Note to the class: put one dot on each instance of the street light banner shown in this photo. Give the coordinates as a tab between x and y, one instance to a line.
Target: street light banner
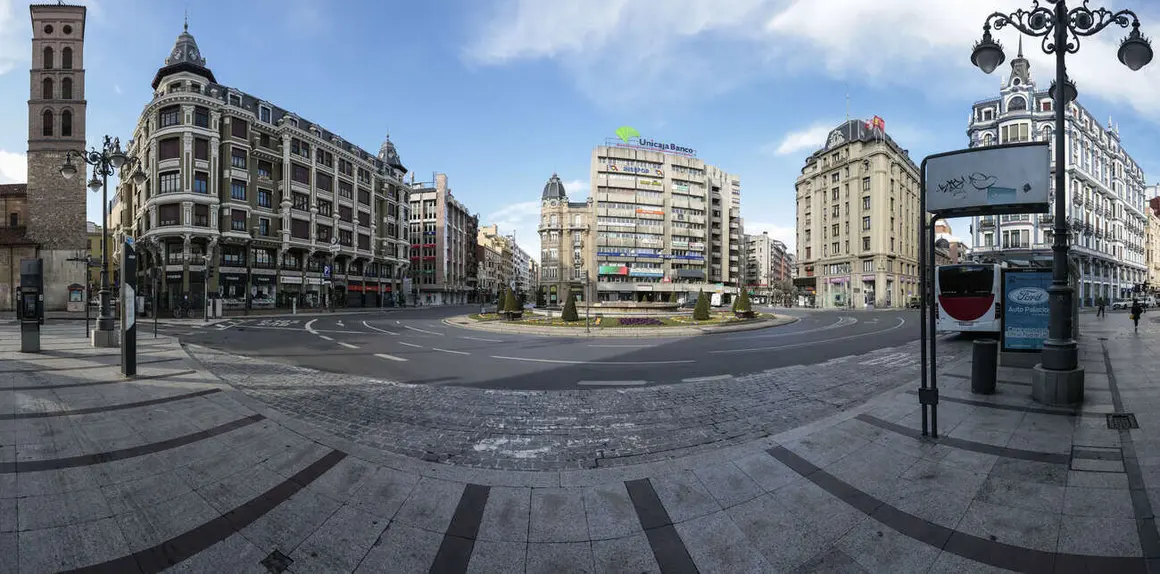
1025	309
1012	178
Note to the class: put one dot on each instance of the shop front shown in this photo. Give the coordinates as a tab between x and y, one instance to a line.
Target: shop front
262	292
839	293
355	294
313	292
232	289
868	292
173	289
290	291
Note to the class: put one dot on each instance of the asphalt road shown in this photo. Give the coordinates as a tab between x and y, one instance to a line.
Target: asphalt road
413	345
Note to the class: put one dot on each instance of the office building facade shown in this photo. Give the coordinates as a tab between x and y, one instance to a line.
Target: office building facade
1105	192
767	265
444	235
857	221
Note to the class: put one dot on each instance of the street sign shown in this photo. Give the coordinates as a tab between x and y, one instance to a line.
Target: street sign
326	271
1013	178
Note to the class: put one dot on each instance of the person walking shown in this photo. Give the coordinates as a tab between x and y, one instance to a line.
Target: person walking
1137	310
1101	303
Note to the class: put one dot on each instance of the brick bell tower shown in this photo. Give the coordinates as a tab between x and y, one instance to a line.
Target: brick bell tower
56	124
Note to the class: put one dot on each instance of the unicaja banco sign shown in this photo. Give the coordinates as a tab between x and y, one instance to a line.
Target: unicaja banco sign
631	138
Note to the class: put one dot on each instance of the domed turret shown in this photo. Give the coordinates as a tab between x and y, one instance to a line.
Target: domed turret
390	156
185	57
554	189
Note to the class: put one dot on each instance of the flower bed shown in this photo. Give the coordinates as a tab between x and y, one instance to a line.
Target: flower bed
640	322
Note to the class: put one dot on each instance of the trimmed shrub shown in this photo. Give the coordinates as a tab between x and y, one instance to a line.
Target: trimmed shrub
570	315
512	306
743	307
701	311
541	300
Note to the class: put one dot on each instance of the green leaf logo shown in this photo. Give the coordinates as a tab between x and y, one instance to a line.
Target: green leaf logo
625	132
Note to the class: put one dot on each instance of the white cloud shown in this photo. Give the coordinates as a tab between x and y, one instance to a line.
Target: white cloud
807	139
13	42
521	219
785	233
13	167
576	189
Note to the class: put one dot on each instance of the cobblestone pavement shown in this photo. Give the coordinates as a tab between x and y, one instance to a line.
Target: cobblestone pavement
568	430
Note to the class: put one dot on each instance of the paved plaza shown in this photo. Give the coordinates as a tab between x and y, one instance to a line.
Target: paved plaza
208	461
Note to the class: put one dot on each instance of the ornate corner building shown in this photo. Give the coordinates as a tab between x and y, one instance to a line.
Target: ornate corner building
444	269
45	218
251	203
857	208
1105	195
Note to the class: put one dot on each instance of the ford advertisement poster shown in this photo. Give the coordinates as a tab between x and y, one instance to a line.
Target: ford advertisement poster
1025	309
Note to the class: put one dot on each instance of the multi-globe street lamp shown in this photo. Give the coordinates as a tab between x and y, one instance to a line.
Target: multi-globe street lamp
1061	30
105	161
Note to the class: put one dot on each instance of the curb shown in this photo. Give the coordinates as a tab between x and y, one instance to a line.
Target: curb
658	333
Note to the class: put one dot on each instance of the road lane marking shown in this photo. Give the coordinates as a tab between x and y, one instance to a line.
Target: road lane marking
348	345
564	362
368	326
315	331
901	322
449	351
621	346
483	339
422	330
340	324
842	322
611	383
325	337
410	344
389	357
309	328
709	378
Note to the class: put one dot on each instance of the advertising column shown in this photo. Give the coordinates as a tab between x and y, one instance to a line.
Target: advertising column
1025	312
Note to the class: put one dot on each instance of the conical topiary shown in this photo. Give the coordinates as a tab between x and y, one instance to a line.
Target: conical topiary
743	304
701	311
570	313
512	305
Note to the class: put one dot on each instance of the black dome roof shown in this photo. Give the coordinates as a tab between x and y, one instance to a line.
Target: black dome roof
554	189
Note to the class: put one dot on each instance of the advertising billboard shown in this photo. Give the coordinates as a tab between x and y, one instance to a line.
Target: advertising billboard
1012	178
1025	309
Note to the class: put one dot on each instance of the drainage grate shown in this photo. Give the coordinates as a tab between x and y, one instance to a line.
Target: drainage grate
1122	421
276	562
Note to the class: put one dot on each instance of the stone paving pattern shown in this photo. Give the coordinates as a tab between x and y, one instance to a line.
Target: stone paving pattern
183	471
560	430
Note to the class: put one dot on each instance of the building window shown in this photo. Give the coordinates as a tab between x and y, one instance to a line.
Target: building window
322	233
46	120
865	184
66	58
169	148
866	223
200	149
237	220
325	208
868	266
300	174
13	220
300	201
46	89
265	198
345	213
200	182
835	193
169	182
264	227
345	189
264	114
169	214
323	182
201	117
264	169
238	158
866	202
865	244
345	237
364	196
66	123
834	177
170	116
364	218
239	128
235	100
238	190
48	57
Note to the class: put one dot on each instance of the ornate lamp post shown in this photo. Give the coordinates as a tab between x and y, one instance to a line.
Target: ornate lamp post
105	161
1061	30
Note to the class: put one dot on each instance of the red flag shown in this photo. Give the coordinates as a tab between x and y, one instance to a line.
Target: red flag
879	123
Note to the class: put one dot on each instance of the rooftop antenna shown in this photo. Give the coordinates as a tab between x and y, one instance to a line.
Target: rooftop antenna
186	20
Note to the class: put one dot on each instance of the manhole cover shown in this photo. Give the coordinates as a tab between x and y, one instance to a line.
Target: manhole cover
276	562
1122	421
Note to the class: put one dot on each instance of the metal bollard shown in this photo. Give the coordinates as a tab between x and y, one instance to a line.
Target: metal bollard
984	366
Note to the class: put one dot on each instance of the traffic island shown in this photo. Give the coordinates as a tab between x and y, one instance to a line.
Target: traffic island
636	326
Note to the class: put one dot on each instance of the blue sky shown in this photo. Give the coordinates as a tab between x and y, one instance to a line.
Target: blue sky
498	94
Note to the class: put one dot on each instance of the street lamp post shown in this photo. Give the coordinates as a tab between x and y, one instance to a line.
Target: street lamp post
1061	30
105	161
334	248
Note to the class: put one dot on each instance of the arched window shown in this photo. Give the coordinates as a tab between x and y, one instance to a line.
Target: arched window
1017	103
66	89
553	220
66	58
46	89
48	57
66	123
988	139
46	122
